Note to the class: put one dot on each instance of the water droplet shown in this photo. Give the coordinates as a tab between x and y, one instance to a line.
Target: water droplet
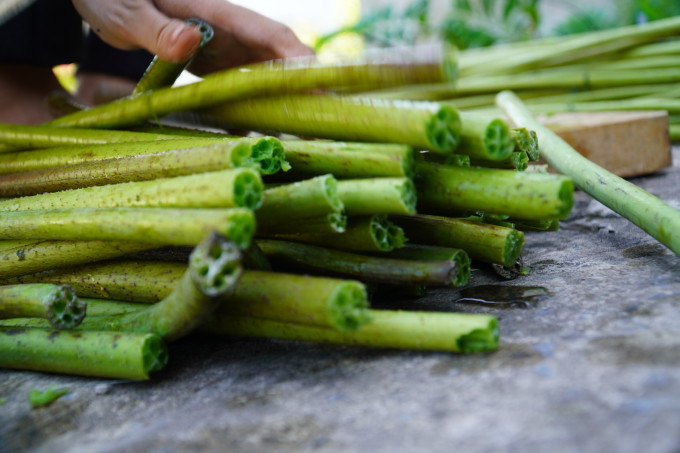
504	296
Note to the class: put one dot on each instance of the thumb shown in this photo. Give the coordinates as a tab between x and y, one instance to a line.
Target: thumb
171	40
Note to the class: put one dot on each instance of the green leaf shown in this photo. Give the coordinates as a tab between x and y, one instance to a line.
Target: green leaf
40	399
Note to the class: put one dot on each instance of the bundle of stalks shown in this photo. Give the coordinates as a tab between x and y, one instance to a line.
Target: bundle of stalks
628	68
270	237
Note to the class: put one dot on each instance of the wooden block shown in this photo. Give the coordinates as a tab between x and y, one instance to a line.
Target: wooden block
625	143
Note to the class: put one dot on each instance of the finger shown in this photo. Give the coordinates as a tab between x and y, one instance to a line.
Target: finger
173	40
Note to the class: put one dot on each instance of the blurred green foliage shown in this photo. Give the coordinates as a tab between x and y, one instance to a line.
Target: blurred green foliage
480	23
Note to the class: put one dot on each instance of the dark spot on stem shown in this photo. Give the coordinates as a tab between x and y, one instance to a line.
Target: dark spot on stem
21	254
53	335
14	332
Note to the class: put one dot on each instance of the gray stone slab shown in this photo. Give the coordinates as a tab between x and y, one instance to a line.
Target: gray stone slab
594	366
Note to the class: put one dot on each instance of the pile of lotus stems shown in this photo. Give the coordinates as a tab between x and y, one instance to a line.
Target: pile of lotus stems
154	232
627	68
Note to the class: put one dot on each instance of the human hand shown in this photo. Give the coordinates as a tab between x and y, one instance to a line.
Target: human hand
241	36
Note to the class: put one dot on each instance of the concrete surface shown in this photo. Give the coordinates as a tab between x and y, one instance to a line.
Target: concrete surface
594	366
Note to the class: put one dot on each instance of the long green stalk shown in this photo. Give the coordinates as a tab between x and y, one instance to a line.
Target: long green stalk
374	233
119	280
672	106
56	303
266	153
648	212
557	51
384	68
451	332
39	159
348	159
164	226
317	301
484	242
143	167
445	189
436	253
332	223
162	73
597	78
423	125
361	267
28	257
241	187
313	197
104	354
377	196
283	297
15	136
214	268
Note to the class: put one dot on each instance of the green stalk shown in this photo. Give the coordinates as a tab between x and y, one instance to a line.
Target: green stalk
377	196
103	354
164	226
317	301
119	280
436	253
309	198
423	125
526	141
373	233
361	267
384	68
348	160
241	187
674	131
489	243
76	154
527	195
58	304
332	223
556	51
106	307
648	212
328	302
660	103
597	78
483	137
266	153
165	164
605	94
26	137
214	268
451	332
28	257
162	73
